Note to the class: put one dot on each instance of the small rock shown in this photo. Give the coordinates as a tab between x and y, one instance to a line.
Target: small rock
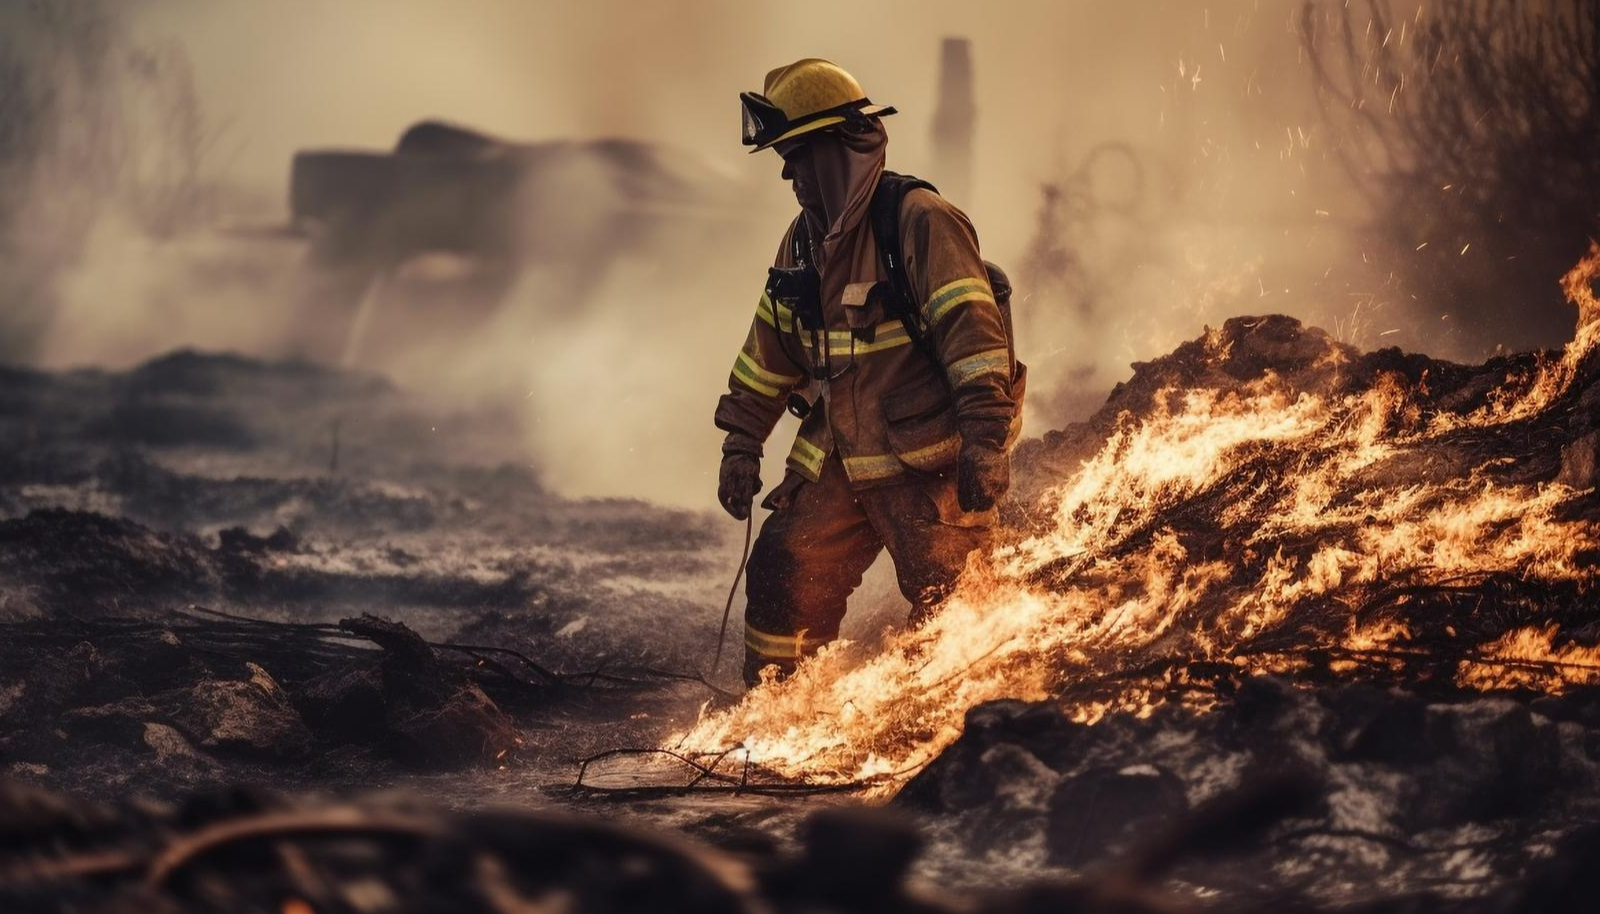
252	717
9	695
28	770
171	748
974	771
855	858
465	728
1374	725
344	706
1494	760
1105	810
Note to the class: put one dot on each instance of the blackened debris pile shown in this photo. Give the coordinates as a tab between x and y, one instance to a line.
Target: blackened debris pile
1394	791
192	695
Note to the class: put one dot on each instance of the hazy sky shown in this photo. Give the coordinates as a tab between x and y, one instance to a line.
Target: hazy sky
1241	211
1052	77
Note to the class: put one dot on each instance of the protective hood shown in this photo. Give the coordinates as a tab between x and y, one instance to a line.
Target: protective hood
835	180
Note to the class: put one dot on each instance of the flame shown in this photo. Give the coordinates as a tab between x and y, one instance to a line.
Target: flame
1552	669
1124	579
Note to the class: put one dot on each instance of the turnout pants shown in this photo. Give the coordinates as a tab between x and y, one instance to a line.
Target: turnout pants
813	550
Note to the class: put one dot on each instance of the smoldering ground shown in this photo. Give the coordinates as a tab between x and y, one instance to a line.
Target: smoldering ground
409	440
1143	170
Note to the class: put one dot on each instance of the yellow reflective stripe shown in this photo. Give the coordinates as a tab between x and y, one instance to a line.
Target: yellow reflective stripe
807	455
746	373
884	336
933	452
948	296
787	647
874	466
776	314
763	381
993	361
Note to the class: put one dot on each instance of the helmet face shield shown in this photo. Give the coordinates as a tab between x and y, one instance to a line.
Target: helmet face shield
761	121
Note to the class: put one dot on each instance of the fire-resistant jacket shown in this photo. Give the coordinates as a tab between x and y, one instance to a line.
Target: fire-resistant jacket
882	403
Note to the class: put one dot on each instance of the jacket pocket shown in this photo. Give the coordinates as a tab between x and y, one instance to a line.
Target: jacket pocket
921	426
864	309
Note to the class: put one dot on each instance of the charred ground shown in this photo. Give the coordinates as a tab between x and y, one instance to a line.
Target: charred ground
190	549
137	505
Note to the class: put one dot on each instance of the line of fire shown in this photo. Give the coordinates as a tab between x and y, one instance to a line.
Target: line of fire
914	456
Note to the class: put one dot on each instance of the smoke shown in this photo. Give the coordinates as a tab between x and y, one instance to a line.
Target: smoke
1141	169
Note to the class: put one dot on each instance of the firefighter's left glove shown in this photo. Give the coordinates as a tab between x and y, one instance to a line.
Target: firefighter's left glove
738	483
983	469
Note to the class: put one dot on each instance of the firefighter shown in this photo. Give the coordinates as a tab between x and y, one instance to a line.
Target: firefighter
908	419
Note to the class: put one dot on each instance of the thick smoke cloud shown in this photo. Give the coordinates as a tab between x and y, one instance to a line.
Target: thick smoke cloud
1142	169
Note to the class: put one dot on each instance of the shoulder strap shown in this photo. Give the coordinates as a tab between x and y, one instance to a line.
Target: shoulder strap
886	201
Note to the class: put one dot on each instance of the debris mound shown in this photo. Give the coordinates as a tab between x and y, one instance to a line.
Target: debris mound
1263	500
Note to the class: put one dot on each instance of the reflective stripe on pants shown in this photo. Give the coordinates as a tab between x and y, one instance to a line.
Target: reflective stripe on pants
810	556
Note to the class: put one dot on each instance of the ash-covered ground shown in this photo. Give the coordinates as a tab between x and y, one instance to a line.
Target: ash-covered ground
217	571
301	494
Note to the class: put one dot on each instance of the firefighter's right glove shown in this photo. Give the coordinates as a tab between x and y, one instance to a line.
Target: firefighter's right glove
738	483
983	468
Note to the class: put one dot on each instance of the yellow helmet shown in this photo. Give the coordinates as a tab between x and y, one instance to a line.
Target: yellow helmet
806	95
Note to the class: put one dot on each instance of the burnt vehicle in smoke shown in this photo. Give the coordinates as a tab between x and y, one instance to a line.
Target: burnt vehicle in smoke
449	188
480	211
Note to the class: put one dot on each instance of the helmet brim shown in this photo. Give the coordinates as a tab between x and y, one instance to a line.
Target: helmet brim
823	123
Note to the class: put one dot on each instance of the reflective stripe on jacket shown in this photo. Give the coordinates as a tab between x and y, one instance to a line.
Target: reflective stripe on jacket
886	407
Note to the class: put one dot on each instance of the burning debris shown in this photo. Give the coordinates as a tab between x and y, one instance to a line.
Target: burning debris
1262	500
1403	532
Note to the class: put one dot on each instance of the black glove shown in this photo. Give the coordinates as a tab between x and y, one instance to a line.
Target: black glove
983	468
738	483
